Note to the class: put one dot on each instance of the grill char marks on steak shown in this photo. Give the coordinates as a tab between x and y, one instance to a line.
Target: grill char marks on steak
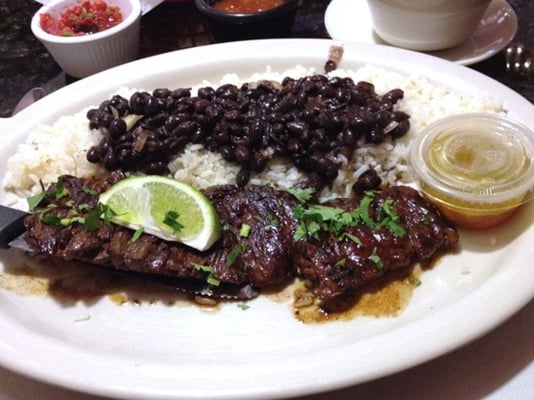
264	254
260	259
268	255
339	267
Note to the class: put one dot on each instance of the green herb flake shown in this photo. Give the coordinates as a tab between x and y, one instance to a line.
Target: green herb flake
50	219
376	259
243	306
137	234
300	232
171	220
414	281
234	254
352	237
302	195
390	219
341	263
107	214
244	231
92	220
364	211
35	200
89	191
60	191
211	280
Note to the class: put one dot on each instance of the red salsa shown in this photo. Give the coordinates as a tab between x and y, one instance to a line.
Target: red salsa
89	16
246	6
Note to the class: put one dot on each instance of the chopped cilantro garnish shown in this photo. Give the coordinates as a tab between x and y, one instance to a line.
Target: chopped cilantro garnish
171	220
390	219
33	201
302	195
376	259
364	211
209	270
232	256
137	234
60	191
414	281
352	237
318	218
244	231
89	191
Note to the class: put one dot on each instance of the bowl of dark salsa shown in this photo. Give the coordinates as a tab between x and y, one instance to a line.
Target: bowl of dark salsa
231	20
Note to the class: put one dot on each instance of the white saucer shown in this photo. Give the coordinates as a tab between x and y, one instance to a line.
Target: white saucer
350	20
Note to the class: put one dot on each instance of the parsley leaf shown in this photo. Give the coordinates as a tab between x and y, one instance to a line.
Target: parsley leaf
33	201
302	195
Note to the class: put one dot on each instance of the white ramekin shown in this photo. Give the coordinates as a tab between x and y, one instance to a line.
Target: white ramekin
80	56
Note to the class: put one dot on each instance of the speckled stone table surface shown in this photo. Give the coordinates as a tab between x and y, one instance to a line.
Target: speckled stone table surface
25	63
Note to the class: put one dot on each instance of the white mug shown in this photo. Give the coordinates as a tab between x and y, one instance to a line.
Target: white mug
426	24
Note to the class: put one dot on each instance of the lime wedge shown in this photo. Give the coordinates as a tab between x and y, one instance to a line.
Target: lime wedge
166	208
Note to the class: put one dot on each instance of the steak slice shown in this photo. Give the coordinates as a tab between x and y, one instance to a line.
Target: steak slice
259	258
339	266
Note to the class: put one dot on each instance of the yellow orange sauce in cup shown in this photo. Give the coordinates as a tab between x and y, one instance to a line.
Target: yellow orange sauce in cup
87	17
477	168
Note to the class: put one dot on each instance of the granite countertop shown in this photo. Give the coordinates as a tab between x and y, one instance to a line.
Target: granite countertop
25	63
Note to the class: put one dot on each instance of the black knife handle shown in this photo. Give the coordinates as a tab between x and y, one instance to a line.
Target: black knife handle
11	225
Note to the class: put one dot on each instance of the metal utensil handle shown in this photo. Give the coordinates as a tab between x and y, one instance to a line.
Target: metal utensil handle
11	225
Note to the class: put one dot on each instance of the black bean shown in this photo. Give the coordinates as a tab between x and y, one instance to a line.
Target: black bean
399	116
151	106
93	155
383	118
243	176
369	180
161	92
110	162
92	113
117	128
393	95
137	102
258	162
227	152
294	145
367	87
157	167
401	129
206	93
242	154
348	137
157	120
376	136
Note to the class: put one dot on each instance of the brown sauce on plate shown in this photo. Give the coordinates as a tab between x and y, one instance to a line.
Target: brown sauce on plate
74	282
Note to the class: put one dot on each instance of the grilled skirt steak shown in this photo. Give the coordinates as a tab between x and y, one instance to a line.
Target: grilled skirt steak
338	267
267	256
261	259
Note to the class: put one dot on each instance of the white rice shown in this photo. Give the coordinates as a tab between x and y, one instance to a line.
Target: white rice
61	148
